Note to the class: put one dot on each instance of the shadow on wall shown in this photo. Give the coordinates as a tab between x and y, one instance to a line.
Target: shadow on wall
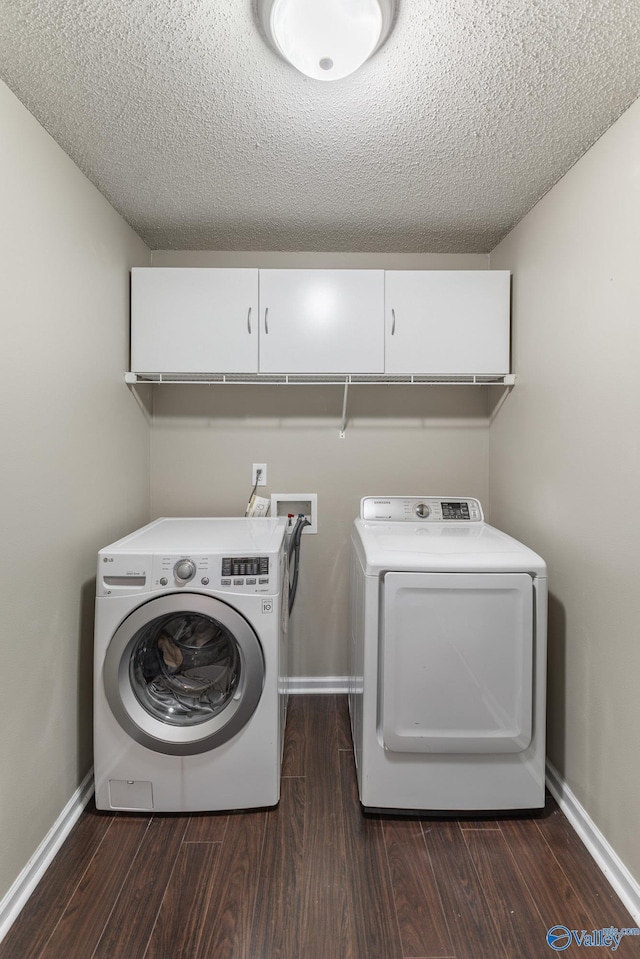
85	678
416	402
556	684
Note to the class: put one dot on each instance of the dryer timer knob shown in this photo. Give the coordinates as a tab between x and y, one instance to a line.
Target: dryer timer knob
422	510
185	570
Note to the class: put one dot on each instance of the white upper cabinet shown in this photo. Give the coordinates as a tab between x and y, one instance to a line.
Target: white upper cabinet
392	323
194	320
321	321
447	322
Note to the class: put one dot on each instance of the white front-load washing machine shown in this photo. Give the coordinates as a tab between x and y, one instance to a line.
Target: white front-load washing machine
190	665
447	659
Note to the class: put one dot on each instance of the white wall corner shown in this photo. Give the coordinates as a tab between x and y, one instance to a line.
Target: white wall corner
616	873
23	887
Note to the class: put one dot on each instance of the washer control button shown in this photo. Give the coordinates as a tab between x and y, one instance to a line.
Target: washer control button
185	569
164	581
225	582
205	580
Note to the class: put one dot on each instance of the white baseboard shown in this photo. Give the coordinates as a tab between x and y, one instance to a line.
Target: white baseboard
615	871
32	873
318	684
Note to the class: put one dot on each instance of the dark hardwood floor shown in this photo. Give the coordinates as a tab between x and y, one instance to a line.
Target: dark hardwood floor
315	878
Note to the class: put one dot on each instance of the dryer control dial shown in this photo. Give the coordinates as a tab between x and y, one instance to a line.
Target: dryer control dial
422	510
184	570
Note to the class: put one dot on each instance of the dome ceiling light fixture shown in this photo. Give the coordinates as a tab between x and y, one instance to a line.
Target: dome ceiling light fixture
326	39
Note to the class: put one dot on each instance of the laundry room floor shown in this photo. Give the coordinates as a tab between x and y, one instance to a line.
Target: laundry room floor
315	878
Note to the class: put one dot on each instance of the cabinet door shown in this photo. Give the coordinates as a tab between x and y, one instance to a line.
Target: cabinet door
447	322
321	321
194	320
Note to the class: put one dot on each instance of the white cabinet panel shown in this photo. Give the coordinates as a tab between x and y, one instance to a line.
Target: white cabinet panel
194	320
447	322
321	321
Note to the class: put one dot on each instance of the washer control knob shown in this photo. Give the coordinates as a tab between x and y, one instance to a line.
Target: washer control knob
185	570
422	510
164	581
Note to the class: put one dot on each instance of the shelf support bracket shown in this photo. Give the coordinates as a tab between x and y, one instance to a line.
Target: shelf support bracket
343	421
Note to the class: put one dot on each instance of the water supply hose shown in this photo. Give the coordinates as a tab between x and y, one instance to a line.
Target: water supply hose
294	551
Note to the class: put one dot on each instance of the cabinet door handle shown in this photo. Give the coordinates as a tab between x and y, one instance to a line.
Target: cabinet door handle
393	322
266	319
249	321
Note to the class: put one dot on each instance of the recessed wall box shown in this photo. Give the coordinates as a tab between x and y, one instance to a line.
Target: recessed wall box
284	504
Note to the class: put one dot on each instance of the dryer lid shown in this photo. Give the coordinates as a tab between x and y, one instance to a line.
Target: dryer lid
441	547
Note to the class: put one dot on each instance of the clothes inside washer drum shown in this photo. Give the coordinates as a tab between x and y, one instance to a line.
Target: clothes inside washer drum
170	653
201	679
185	669
196	667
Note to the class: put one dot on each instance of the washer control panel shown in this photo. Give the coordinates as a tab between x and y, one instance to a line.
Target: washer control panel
245	571
244	574
421	509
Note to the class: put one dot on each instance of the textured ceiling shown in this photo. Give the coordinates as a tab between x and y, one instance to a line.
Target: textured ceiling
203	138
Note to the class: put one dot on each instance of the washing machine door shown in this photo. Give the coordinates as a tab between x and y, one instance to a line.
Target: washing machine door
184	673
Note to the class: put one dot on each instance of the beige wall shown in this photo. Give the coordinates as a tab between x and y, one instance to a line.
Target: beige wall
565	464
75	460
398	440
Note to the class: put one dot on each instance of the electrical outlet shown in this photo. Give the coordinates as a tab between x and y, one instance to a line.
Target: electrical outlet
263	475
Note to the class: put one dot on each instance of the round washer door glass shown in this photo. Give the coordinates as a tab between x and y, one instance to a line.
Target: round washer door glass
184	668
183	673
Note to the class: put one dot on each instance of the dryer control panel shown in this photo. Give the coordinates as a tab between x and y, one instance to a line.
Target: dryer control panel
421	509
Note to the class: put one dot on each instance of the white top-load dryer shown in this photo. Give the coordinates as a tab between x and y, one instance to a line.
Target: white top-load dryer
447	659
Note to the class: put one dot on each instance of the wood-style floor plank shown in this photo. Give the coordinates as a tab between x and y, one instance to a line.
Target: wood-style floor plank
82	923
474	934
370	892
421	921
276	924
325	928
599	898
479	822
133	917
207	827
295	742
552	890
179	927
227	916
36	923
510	902
343	731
